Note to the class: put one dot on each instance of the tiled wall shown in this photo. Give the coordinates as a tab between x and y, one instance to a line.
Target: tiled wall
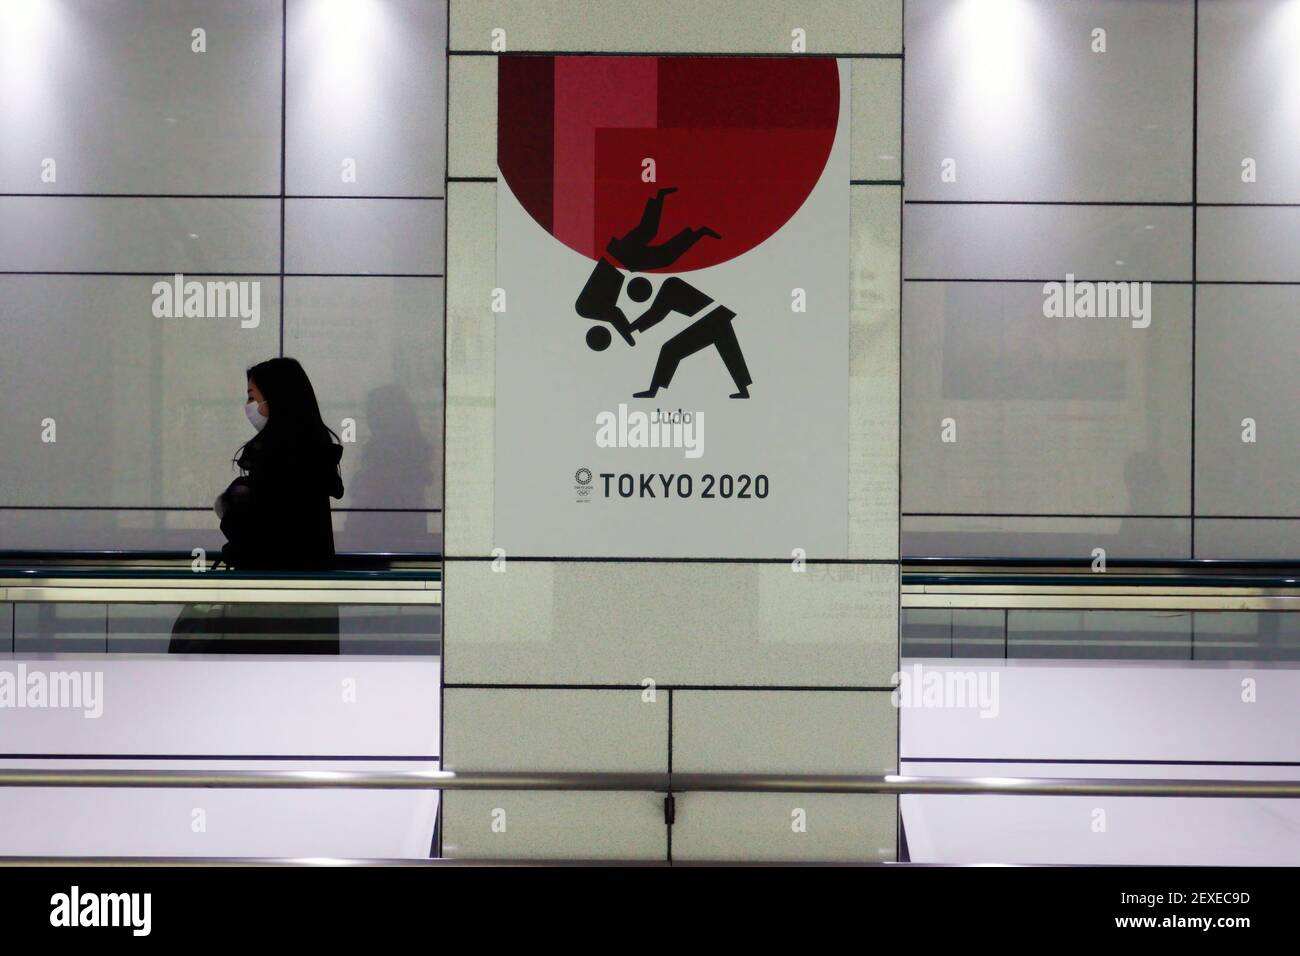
128	156
224	164
754	668
1104	139
1032	153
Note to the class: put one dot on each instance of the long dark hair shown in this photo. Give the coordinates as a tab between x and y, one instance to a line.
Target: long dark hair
294	418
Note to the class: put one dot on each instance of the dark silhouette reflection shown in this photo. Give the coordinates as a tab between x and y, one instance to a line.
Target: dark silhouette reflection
285	629
396	464
1145	482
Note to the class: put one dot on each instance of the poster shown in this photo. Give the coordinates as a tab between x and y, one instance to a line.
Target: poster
672	307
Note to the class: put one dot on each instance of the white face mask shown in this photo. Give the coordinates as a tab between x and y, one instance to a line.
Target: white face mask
257	419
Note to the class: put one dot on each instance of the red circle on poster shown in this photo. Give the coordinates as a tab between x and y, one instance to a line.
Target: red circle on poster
721	151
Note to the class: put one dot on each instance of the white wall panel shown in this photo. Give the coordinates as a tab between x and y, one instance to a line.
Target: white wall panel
364	236
164	236
1139	831
1025	103
553	826
789	827
1046	242
342	824
365	84
619	623
613	731
132	108
681	26
784	732
187	704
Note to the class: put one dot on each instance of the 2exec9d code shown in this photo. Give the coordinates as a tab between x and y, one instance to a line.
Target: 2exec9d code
659	485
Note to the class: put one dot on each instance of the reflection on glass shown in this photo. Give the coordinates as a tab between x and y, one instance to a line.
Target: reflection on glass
223	628
256	629
1246	636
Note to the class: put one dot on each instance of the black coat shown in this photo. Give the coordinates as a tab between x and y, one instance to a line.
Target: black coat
276	516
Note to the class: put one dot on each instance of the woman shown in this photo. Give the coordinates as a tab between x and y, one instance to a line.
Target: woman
276	515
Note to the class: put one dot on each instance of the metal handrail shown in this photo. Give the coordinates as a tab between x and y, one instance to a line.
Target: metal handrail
221	588
1092	594
123	581
895	784
1042	585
